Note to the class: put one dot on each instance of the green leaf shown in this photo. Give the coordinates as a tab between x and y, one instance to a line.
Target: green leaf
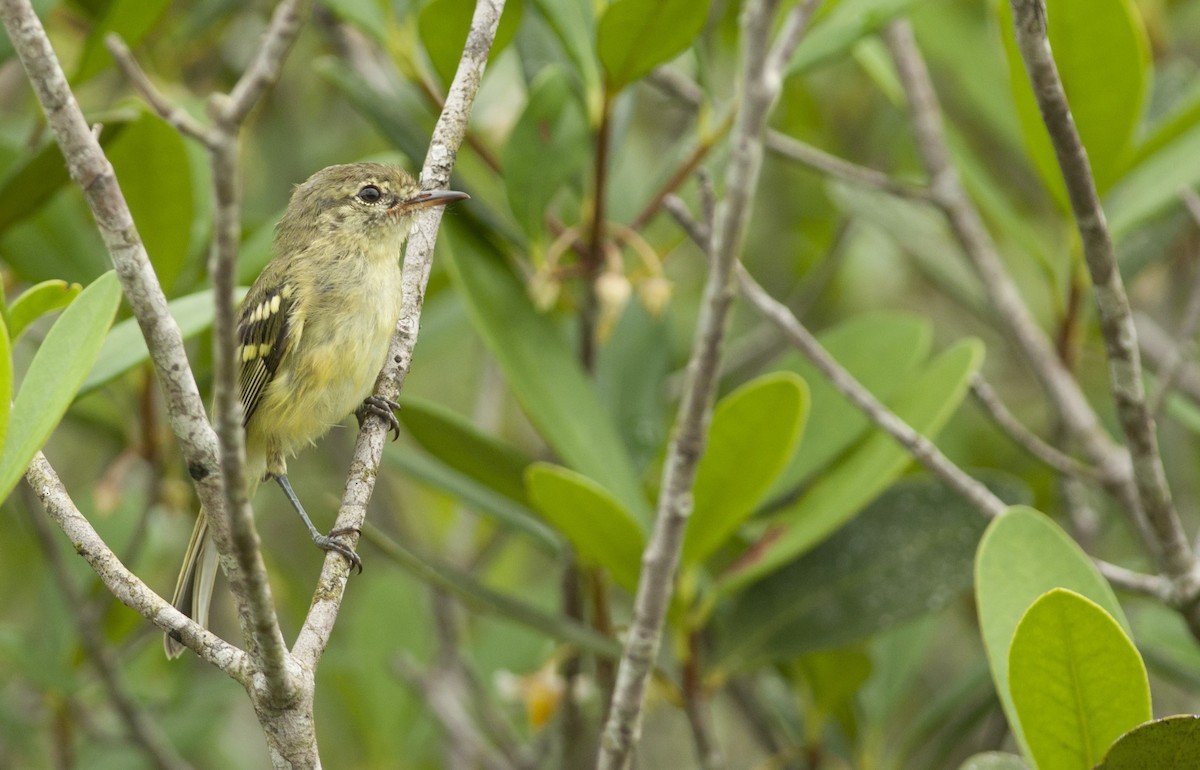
907	554
131	19
752	435
630	369
881	349
1023	555
152	167
1102	56
993	760
1077	681
6	381
1172	743
34	179
54	375
452	439
1154	184
542	371
635	36
37	301
553	125
371	17
835	32
484	499
444	24
573	23
125	348
599	527
925	404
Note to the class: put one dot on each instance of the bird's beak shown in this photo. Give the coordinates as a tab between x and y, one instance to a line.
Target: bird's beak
426	199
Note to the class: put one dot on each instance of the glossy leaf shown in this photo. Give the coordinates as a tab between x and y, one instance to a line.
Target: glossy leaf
1023	555
635	36
37	301
753	433
55	374
124	347
907	554
1172	743
553	125
152	167
1077	681
837	495
881	349
131	19
1102	56
542	371
444	24
599	527
484	499
835	32
452	439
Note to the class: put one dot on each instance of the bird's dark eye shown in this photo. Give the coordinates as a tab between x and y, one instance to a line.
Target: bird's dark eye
369	194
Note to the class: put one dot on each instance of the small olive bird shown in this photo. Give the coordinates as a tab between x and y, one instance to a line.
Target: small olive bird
312	336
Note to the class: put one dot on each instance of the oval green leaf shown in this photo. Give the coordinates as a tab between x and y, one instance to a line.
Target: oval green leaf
925	404
1102	57
125	348
1172	743
152	166
753	433
451	438
553	125
907	554
55	374
444	24
635	36
599	527
1077	681
542	370
37	301
1023	555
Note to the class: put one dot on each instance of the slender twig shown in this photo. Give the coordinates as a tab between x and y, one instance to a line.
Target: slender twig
968	228
142	729
681	174
1024	437
418	260
762	73
123	584
1169	371
1115	315
1159	349
90	169
828	163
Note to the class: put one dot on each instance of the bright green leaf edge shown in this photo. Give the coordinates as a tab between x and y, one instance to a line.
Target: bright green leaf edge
38	300
55	374
1077	681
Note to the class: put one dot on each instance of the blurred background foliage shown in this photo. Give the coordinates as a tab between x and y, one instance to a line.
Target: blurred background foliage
823	609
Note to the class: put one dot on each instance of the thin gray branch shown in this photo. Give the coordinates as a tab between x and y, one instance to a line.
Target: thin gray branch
448	136
122	583
90	169
828	163
1115	315
762	73
1024	437
949	194
142	729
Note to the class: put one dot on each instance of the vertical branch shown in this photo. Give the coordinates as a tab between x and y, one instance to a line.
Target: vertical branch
448	136
1116	317
969	230
762	72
